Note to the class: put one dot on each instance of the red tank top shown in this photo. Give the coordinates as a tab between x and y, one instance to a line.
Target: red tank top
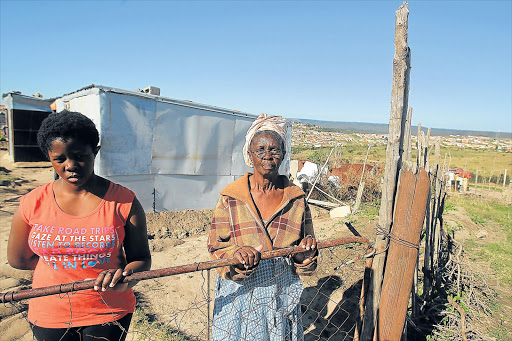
73	248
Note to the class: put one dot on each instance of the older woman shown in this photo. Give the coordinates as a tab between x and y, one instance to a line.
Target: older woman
258	299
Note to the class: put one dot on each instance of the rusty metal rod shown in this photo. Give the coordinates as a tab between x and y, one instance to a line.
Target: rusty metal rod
11	296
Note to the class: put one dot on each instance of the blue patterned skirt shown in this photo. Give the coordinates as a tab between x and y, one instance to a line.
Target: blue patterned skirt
264	306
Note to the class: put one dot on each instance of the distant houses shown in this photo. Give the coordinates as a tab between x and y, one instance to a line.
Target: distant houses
305	135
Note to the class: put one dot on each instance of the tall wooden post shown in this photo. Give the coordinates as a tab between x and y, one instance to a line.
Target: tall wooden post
427	151
360	189
419	143
427	264
505	178
407	137
398	114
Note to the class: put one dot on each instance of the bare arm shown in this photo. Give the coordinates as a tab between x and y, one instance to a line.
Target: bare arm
19	254
137	252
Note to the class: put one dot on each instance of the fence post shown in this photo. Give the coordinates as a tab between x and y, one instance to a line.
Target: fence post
427	151
407	137
319	175
360	188
427	276
419	144
398	114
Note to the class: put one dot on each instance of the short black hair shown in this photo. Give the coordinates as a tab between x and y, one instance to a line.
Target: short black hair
269	132
64	126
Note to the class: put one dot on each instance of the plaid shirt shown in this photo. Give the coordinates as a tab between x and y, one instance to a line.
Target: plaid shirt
236	223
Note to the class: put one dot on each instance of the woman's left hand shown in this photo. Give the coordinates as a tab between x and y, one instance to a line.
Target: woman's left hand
308	243
112	280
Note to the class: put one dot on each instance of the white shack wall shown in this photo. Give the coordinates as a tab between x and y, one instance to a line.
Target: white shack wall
173	157
126	133
190	141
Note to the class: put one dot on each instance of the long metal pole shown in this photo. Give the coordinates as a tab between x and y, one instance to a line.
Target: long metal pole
176	270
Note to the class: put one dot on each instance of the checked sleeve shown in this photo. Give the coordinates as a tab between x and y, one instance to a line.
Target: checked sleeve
221	243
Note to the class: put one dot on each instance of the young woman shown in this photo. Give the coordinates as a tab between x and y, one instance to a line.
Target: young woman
259	299
78	227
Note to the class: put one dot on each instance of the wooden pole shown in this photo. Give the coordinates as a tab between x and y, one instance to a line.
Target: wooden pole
436	232
437	153
427	151
427	269
407	137
414	299
319	175
364	164
419	143
505	178
360	188
359	197
398	114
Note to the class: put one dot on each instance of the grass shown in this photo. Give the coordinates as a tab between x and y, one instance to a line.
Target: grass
497	217
370	210
352	152
493	188
450	206
487	161
142	325
491	214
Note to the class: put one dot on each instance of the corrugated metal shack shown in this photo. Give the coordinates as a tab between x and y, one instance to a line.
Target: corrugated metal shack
173	154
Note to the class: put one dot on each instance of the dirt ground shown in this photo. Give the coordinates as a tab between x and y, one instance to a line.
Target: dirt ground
176	238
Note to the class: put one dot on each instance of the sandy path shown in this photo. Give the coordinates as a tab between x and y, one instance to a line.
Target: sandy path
13	326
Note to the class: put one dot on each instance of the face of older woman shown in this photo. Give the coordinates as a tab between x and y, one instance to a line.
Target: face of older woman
266	154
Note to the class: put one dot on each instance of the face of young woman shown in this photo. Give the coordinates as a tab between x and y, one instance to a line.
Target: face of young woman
72	160
266	154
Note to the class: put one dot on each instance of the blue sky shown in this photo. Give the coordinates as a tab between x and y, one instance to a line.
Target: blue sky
308	59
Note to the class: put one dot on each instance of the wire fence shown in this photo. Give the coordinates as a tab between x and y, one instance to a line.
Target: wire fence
327	308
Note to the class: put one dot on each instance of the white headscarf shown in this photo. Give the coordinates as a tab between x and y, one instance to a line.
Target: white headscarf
267	122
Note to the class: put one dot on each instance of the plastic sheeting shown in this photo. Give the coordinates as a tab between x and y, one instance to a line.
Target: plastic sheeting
308	173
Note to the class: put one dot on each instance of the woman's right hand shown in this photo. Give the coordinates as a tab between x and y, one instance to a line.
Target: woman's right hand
308	243
248	256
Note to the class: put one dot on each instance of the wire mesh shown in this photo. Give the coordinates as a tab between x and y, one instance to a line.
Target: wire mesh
276	306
